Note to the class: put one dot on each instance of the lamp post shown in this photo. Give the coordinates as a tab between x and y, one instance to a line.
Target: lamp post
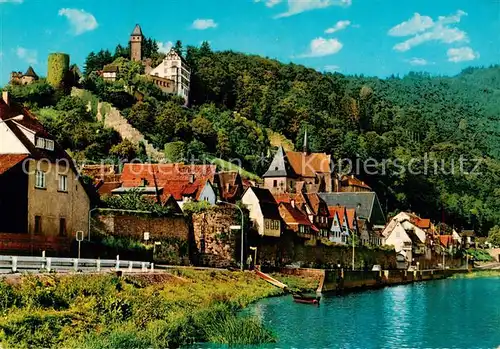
242	221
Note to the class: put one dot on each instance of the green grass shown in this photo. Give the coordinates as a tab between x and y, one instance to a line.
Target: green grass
480	255
224	165
142	311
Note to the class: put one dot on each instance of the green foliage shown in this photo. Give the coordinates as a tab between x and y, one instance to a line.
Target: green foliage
175	151
134	200
190	208
57	70
36	95
125	151
494	236
479	255
103	311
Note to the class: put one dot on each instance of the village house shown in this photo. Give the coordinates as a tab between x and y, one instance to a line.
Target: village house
468	238
339	232
351	184
18	78
297	221
263	211
186	183
110	73
43	201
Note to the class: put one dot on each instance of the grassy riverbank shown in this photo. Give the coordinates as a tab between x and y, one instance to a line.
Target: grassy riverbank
143	311
478	274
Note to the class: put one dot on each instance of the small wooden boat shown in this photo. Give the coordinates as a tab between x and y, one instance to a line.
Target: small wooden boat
306	299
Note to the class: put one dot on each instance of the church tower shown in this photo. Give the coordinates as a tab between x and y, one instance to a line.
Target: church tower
136	44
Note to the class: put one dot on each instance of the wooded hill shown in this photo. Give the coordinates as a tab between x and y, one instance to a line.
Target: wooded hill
236	97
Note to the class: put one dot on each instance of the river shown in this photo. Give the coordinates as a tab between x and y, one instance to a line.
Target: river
451	313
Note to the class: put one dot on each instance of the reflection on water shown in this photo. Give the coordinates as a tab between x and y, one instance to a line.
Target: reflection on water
463	313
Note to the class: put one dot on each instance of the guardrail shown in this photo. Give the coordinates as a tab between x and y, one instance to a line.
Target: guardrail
19	264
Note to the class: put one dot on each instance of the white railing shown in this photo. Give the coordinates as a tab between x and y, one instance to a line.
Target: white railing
20	264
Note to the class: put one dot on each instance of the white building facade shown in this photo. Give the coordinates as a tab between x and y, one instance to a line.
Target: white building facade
175	68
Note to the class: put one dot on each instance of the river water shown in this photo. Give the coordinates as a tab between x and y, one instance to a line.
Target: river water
452	313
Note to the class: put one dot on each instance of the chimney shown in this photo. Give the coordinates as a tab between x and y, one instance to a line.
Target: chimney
191	178
5	97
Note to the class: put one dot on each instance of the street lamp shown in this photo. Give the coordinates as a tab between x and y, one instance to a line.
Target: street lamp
242	217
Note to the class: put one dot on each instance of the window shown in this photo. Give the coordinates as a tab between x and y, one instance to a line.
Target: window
40	143
40	179
62	227
275	183
63	183
267	224
38	225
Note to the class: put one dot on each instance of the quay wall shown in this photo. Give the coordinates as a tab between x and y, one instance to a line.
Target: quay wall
339	280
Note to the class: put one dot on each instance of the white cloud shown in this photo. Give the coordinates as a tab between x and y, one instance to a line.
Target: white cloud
332	68
27	55
419	61
424	29
340	25
165	47
298	6
80	20
202	24
321	47
11	1
462	54
270	3
414	25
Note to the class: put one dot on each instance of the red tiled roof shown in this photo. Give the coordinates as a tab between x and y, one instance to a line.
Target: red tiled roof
351	215
105	188
307	165
292	214
7	161
133	174
446	240
355	182
339	210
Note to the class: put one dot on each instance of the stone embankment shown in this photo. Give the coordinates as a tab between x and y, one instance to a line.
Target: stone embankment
340	280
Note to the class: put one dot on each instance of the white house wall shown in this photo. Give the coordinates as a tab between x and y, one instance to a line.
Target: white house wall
9	144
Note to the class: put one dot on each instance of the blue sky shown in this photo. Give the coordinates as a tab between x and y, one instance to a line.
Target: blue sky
371	37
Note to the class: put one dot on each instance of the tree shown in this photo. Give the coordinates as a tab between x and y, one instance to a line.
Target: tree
175	151
494	236
178	47
125	151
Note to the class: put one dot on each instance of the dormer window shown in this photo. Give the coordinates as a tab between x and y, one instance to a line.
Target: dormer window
43	143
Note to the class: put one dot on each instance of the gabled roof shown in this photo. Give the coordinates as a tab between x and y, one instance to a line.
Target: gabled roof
110	68
338	211
354	182
230	184
446	240
7	161
315	202
292	215
366	204
280	166
137	30
267	203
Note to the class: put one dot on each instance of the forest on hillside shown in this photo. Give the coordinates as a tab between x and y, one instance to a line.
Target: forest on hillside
237	99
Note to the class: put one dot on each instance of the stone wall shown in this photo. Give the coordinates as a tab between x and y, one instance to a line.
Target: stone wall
216	245
291	250
171	232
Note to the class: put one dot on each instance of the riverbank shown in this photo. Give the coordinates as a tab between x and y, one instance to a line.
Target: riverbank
133	311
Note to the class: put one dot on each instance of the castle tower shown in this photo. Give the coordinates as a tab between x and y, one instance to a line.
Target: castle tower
136	44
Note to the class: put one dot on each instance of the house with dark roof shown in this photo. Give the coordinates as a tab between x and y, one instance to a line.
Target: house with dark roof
366	204
42	196
110	73
263	211
351	184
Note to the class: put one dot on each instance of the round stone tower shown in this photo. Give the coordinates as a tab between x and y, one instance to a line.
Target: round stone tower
136	44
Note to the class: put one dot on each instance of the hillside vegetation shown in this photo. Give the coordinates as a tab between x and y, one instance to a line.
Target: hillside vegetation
418	120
